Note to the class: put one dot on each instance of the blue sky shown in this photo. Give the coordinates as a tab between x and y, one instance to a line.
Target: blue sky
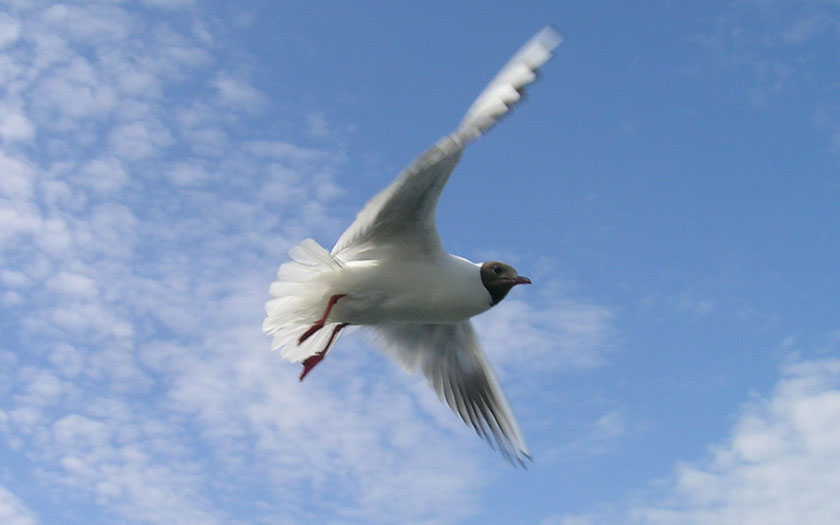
670	185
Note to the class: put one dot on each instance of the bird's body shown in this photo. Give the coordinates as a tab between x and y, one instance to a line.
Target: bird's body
389	271
444	289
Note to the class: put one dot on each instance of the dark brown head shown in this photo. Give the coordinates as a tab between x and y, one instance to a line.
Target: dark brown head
499	278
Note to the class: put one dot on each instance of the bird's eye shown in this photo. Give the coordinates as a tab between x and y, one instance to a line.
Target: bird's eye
497	270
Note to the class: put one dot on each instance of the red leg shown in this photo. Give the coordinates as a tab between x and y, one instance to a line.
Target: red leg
310	362
320	323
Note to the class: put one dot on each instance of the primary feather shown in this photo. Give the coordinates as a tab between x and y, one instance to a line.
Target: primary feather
407	207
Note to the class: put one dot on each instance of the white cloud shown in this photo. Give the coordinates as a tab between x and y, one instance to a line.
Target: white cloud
16	182
11	299
579	519
556	334
9	30
284	151
15	126
72	284
238	93
137	246
316	125
39	388
780	464
129	464
188	174
67	359
13	511
105	175
71	92
151	387
169	4
611	425
140	139
94	24
767	41
17	218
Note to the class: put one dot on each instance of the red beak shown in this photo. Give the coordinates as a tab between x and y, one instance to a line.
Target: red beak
521	280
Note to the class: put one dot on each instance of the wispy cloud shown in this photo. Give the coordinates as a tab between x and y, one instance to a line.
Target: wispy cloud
114	249
778	465
238	93
142	216
556	334
783	48
9	30
13	511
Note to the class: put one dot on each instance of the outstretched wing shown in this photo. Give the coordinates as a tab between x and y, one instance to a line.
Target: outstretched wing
508	85
403	214
452	361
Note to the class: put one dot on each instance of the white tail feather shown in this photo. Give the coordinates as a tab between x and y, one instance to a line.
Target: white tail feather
300	296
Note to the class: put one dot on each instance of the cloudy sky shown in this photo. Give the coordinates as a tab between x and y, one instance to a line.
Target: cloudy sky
670	185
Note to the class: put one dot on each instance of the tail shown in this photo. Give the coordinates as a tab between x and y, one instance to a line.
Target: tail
299	296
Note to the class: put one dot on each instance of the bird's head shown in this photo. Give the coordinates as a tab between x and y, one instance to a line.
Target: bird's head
498	278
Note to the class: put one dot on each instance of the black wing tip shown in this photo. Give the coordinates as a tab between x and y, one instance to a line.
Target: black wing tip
518	458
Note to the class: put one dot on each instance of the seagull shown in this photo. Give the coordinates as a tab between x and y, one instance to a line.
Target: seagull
389	271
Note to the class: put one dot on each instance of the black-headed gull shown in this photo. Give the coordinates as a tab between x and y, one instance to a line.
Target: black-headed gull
389	271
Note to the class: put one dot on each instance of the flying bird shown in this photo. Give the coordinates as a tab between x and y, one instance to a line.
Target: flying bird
389	271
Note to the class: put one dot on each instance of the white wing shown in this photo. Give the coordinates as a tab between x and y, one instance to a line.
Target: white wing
403	214
507	87
452	361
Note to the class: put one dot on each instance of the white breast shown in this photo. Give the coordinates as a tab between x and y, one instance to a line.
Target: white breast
445	290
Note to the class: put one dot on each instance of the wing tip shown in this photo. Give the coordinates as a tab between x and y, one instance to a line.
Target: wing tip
517	455
494	102
550	36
